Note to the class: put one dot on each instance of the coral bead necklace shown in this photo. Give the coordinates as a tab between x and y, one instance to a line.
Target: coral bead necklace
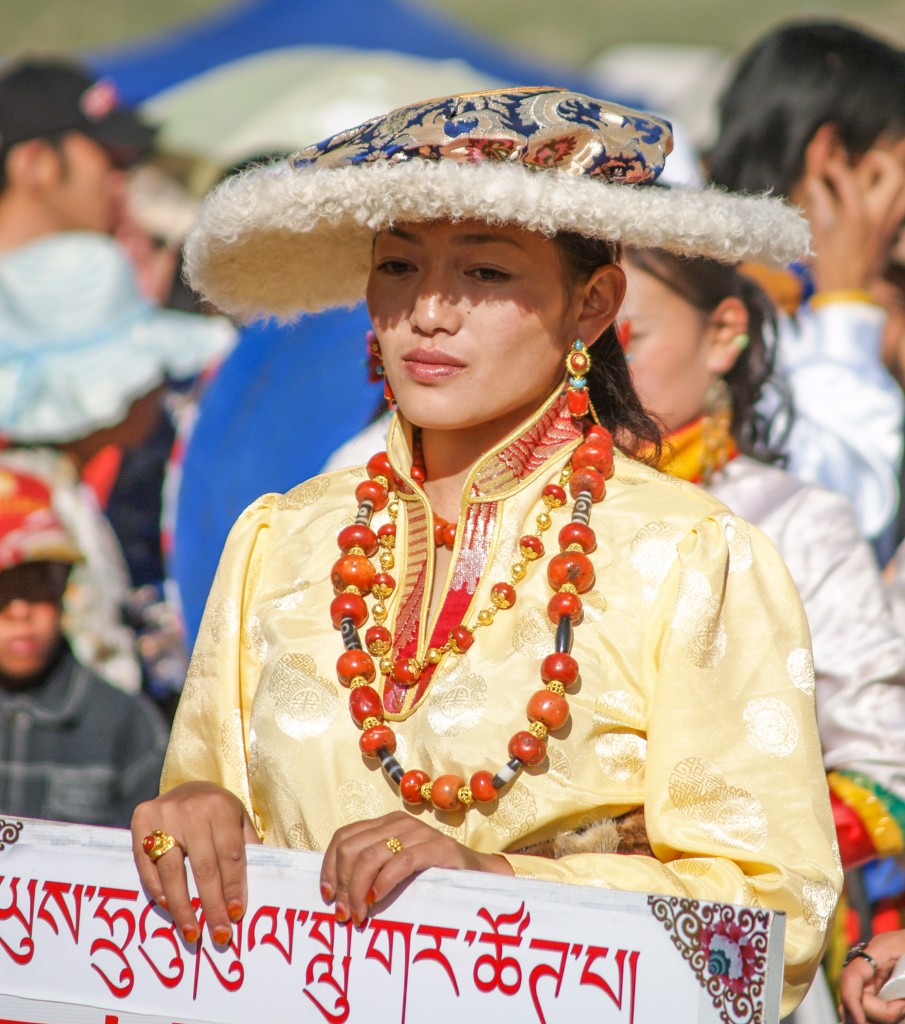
570	574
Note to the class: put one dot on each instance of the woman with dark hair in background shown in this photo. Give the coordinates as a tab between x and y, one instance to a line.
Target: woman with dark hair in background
816	112
699	336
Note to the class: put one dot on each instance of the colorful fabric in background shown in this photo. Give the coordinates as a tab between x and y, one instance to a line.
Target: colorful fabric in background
870	820
29	529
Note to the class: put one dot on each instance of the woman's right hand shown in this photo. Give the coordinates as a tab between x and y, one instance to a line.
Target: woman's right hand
211	827
860	982
855	213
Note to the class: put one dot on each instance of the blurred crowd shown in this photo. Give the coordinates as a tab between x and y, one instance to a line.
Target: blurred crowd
781	392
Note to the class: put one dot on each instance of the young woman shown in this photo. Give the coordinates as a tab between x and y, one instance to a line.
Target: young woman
534	632
816	112
698	337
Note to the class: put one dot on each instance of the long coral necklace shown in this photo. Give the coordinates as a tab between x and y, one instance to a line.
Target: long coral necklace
570	574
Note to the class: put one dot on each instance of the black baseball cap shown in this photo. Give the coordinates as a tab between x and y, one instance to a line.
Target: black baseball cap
46	98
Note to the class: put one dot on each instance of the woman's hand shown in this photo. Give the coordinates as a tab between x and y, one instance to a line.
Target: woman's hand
211	828
855	213
360	867
859	983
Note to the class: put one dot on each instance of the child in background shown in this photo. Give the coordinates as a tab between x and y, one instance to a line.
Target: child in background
72	747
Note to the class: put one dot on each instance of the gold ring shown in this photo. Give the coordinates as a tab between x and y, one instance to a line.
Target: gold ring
394	845
157	844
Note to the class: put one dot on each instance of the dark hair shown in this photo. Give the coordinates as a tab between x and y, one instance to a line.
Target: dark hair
610	384
704	283
788	85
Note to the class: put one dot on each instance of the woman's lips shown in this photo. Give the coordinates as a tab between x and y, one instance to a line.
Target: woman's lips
426	365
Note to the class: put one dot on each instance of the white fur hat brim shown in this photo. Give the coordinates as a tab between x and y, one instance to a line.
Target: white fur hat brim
281	240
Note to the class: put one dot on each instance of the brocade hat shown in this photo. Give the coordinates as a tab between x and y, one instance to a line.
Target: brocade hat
296	236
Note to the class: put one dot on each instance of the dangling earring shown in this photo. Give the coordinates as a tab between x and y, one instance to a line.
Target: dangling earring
716	427
376	371
578	365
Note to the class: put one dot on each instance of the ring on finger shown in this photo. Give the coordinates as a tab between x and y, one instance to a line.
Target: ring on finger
394	845
157	843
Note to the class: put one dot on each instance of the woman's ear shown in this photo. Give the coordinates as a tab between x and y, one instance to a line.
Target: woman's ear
33	165
727	335
601	297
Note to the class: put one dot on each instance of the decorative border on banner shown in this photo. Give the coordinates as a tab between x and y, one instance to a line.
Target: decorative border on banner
9	833
726	948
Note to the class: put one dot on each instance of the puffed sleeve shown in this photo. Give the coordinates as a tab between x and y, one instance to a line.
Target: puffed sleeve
735	794
210	739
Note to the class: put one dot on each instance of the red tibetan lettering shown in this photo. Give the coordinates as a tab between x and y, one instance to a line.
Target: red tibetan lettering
233	977
497	963
165	935
270	938
438	934
56	892
391	929
323	931
11	912
125	916
547	971
589	977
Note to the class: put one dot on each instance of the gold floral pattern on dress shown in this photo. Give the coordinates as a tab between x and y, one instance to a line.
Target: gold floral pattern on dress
594	606
727	814
201	666
223	620
253	753
619	707
770	726
691	867
738	537
533	633
300	837
621	754
818	900
456	700
304	703
305	495
652	553
357	801
558	762
253	638
800	666
516	814
292	596
232	743
696	620
673	876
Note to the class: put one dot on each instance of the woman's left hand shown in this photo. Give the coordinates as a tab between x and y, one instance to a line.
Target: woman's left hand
367	860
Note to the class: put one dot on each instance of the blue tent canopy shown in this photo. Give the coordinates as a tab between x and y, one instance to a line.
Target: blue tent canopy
281	403
148	68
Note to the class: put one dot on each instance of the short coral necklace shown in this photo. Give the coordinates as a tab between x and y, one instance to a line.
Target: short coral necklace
569	572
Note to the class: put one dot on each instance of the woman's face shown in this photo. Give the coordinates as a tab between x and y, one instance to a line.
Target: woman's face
473	321
670	347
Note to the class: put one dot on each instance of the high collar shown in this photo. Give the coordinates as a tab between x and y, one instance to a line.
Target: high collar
517	460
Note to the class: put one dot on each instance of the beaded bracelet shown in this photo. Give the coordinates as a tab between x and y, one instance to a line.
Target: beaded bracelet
859	950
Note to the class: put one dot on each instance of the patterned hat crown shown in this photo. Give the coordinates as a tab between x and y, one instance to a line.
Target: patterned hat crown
541	129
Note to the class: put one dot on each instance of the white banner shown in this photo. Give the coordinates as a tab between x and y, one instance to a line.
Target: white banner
80	943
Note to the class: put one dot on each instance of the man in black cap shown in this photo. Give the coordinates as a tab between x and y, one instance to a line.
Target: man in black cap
64	142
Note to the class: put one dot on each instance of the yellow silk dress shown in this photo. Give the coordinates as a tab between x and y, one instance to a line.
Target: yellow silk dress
696	697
